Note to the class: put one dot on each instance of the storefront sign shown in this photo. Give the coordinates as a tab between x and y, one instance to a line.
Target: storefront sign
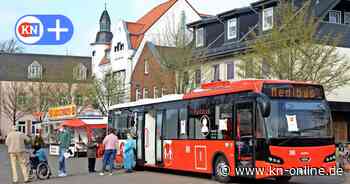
63	112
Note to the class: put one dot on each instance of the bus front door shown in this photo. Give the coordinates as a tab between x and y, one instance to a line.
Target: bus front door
244	113
150	137
140	139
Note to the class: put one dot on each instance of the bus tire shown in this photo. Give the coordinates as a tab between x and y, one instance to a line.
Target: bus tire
221	170
283	179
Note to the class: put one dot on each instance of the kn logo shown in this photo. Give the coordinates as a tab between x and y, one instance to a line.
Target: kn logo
44	29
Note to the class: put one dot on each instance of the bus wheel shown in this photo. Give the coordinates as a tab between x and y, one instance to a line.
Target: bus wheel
283	179
221	170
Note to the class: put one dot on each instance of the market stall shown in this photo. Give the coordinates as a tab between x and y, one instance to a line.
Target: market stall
82	127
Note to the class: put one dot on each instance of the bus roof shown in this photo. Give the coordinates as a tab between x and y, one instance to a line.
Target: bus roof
147	101
212	89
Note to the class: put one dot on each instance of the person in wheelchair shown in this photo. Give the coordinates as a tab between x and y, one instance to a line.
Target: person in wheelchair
39	162
39	155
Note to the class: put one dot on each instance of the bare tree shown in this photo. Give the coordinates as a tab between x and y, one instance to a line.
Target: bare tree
177	56
294	50
16	102
106	91
11	46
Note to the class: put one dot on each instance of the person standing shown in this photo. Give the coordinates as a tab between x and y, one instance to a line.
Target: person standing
91	154
64	141
38	140
109	143
15	142
129	154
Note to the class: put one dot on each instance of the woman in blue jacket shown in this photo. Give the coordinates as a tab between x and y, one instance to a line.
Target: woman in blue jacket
129	155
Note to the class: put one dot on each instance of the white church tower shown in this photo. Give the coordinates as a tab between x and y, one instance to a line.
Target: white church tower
102	45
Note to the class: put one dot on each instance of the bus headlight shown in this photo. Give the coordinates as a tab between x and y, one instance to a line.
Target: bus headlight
330	158
275	160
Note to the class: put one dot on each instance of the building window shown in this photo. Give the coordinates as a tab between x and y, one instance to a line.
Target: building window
198	77
80	72
146	66
21	99
145	93
334	16
156	92
230	71
346	17
164	92
232	29
138	93
34	71
200	37
108	54
216	71
21	126
93	53
267	19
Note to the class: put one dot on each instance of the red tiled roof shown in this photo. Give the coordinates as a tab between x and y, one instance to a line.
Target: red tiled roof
138	28
104	61
152	16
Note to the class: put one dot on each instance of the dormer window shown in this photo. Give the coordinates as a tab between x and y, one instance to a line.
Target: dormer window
34	70
346	17
200	37
232	29
80	72
334	17
267	19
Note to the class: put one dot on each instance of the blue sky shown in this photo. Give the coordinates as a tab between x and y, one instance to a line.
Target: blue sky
85	15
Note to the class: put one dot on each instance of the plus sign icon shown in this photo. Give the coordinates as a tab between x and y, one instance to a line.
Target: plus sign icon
44	29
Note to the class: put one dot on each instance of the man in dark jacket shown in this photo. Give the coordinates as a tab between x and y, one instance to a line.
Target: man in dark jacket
91	154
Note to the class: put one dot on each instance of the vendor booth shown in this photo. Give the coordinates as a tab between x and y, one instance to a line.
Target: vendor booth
82	127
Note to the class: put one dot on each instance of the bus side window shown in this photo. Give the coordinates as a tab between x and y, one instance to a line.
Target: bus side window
223	121
183	124
170	126
191	128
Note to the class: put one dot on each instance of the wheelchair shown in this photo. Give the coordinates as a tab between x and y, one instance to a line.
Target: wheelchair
38	169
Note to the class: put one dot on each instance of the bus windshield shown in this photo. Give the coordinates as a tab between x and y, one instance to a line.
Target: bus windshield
291	118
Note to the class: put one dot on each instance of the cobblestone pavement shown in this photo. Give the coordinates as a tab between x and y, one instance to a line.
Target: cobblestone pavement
77	169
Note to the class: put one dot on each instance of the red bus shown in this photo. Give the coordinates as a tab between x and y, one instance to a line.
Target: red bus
248	128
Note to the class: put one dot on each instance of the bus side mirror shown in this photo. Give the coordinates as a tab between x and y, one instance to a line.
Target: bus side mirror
264	104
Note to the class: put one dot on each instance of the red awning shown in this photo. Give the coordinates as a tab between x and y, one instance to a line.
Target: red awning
73	123
97	126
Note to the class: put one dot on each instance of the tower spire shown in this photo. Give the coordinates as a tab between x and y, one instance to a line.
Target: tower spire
105	4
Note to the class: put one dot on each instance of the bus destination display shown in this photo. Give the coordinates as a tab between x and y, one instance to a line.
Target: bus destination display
293	91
